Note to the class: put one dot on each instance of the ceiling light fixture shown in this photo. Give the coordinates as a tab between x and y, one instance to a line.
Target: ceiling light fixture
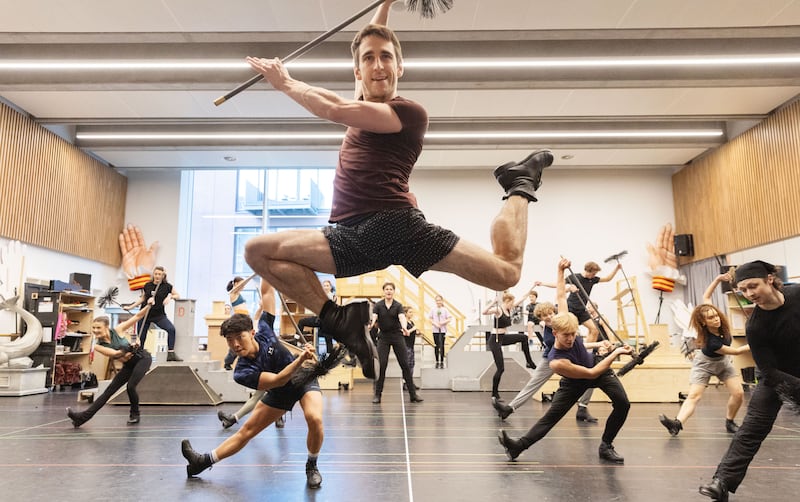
609	134
451	64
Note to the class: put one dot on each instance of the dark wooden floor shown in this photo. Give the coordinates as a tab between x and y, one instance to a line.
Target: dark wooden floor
442	449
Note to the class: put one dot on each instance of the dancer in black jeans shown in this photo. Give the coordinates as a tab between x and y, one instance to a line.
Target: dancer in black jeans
570	359
389	316
773	333
158	293
495	341
136	362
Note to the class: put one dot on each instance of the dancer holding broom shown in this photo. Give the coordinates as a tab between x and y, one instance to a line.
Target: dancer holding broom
377	221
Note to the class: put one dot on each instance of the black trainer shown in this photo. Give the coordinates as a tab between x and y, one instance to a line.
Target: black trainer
503	410
77	418
313	477
583	415
513	446
607	452
525	177
716	489
133	419
348	325
731	426
226	419
673	426
197	462
280	423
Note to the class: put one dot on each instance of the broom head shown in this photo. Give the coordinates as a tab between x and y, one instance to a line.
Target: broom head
429	8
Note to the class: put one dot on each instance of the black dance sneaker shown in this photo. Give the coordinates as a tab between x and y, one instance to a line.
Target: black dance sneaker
280	423
133	419
513	446
503	410
525	177
172	357
313	477
348	325
583	415
198	462
731	426
673	426
716	489
607	452
226	419
77	418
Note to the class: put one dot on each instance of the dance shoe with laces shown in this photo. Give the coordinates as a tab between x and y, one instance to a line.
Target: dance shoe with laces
673	426
198	462
77	418
608	453
226	419
348	325
525	177
513	446
716	490
503	410
583	415
313	477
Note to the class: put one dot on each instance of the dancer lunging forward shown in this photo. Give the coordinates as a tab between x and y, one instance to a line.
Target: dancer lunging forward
570	359
265	364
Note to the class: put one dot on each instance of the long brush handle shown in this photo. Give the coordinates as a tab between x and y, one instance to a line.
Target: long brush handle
299	52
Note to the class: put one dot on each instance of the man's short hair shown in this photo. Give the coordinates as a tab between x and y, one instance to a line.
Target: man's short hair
543	309
380	31
591	266
388	283
565	322
235	325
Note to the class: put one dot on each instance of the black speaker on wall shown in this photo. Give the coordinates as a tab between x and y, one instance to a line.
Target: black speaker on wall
684	245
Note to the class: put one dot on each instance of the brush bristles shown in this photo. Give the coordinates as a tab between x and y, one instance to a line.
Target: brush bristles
308	372
429	8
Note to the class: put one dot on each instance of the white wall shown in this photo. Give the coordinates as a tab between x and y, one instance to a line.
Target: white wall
587	215
152	205
785	253
43	265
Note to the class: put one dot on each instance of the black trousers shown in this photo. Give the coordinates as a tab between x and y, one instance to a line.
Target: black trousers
397	342
438	349
131	373
495	344
568	393
162	322
758	421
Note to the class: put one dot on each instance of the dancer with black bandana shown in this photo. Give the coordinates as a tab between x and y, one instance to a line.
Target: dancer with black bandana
773	333
377	219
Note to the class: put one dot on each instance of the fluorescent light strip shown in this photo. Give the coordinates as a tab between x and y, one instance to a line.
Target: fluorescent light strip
699	133
765	60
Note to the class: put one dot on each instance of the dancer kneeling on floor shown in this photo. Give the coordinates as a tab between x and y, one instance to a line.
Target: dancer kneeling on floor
570	359
136	361
265	364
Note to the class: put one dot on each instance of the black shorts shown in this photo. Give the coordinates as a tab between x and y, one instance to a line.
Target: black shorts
284	398
581	313
393	237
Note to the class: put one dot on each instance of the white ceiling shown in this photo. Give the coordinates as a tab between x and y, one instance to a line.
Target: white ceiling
731	98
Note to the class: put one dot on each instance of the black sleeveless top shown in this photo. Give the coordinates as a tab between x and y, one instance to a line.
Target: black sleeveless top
502	321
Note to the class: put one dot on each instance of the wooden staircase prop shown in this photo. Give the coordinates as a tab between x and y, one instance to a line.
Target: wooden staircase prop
411	292
631	323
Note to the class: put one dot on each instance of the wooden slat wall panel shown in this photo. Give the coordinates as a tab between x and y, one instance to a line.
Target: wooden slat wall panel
745	193
54	196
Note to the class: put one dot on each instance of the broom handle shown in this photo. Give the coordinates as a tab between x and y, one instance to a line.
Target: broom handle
296	349
299	52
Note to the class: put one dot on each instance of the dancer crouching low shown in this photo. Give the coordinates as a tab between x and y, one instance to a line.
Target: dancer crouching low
265	364
570	359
